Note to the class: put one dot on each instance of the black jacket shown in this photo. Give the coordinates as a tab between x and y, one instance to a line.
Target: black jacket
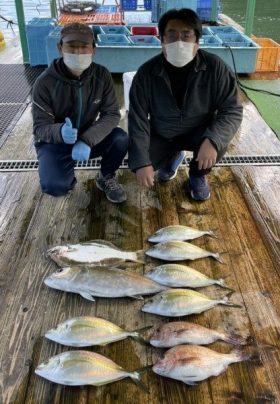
90	102
211	106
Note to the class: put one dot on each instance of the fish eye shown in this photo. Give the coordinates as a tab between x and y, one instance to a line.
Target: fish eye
59	270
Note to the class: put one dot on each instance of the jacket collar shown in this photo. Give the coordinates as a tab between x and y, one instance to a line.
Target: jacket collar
200	64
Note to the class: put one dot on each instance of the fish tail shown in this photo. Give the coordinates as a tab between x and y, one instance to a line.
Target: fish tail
136	377
135	334
140	256
226	302
240	355
217	257
234	339
212	234
221	282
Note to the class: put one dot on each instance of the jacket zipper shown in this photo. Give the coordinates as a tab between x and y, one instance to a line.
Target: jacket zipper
80	108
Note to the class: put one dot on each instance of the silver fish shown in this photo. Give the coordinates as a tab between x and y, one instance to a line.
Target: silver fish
182	302
86	331
102	282
79	368
178	232
96	252
175	275
179	251
184	332
191	363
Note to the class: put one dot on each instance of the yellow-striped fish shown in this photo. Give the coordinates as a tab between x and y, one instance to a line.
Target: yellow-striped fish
178	232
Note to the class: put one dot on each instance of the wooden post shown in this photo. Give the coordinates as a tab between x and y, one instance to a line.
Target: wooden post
22	30
249	19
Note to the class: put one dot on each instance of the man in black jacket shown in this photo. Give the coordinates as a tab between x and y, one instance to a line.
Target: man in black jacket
75	117
182	99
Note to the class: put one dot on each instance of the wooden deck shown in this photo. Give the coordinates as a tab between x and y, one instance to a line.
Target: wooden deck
245	214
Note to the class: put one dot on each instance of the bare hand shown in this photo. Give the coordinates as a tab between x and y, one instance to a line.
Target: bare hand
207	155
146	176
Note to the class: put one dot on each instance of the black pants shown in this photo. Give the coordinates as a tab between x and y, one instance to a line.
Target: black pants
163	151
56	167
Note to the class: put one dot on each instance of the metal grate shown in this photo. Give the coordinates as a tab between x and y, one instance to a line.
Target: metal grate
94	164
16	82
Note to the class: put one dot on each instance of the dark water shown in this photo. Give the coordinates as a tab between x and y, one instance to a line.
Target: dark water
267	16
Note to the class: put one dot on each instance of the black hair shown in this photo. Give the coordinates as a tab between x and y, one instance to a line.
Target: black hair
188	16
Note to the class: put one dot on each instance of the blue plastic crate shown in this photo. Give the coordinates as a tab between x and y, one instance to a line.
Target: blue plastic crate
97	29
115	29
106	9
209	41
235	40
145	40
159	7
37	31
127	5
166	5
113	40
147	4
36	21
226	29
206	31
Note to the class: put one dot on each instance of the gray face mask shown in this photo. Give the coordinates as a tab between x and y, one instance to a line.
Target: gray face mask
77	62
179	53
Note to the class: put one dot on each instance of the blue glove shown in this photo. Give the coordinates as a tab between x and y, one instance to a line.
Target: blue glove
69	134
81	151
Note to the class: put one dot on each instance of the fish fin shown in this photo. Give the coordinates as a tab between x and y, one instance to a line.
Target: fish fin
241	355
137	379
136	297
179	332
111	262
217	257
135	334
185	361
190	383
102	242
140	256
211	234
87	296
226	302
235	339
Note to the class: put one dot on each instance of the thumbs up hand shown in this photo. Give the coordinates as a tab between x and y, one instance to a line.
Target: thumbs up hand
68	133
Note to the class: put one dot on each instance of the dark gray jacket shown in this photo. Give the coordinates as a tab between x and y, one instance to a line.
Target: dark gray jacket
211	106
90	103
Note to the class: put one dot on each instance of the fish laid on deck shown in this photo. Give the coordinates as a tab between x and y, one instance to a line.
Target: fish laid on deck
102	282
96	252
182	302
86	331
179	233
191	363
179	251
185	332
175	275
79	368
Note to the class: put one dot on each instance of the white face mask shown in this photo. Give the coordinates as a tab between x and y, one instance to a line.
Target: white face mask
179	53
77	62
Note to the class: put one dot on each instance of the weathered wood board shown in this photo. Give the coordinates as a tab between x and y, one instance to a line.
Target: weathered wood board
30	223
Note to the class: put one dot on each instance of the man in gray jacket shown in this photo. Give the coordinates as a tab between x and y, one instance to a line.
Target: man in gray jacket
182	99
75	117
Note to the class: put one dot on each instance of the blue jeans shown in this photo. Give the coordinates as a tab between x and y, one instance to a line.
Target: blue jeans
56	167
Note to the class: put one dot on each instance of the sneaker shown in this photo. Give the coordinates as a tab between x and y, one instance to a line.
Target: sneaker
199	188
169	172
113	190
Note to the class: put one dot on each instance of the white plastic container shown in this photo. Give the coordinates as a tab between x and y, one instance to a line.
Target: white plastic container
127	80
